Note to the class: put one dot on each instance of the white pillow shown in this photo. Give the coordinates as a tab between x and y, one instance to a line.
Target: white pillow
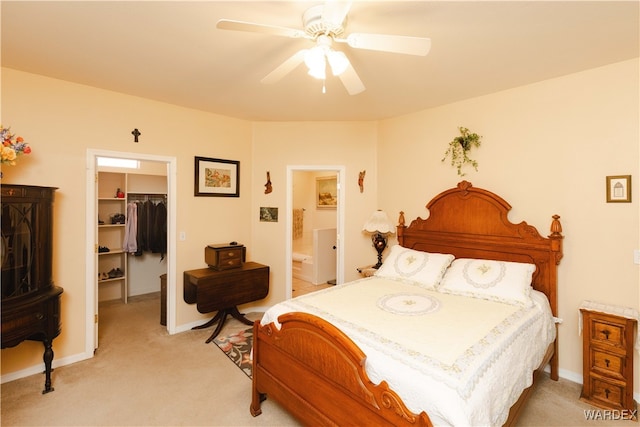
508	282
424	269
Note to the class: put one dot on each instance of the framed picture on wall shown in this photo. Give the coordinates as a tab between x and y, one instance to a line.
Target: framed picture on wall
217	177
326	192
268	214
619	189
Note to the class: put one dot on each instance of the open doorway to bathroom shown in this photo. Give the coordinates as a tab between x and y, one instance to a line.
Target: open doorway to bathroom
314	234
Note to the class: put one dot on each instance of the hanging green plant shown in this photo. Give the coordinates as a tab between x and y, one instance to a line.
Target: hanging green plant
459	150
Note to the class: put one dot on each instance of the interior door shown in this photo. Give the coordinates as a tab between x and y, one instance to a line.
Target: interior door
95	268
324	264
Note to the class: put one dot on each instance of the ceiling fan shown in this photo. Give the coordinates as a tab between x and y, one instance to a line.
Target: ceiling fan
325	25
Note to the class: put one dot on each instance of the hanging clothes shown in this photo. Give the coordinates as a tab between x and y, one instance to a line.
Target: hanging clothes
142	232
158	228
130	242
151	233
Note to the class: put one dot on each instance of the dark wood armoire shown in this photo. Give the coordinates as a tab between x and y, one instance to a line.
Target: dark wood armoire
30	300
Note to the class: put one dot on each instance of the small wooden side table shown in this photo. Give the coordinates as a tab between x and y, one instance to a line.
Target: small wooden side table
223	290
608	360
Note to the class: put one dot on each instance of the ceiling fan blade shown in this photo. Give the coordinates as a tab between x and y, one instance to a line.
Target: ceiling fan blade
227	24
285	68
351	81
335	11
389	43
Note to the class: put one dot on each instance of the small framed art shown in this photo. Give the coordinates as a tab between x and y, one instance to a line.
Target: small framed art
619	189
217	177
326	192
268	214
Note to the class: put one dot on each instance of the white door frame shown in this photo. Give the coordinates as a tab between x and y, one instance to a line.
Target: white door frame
90	229
340	171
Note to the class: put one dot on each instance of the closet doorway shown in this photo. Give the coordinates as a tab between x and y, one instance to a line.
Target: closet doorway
150	187
315	206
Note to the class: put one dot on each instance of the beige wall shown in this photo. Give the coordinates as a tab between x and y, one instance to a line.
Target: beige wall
61	121
351	145
546	149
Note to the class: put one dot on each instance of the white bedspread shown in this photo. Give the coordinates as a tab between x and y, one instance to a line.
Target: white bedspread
464	361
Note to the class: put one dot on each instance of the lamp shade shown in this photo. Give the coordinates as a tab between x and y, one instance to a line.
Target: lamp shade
379	222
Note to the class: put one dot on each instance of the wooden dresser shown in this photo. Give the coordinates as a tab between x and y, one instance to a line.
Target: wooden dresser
30	301
608	360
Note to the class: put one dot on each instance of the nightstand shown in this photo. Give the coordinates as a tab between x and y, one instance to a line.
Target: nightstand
367	271
607	353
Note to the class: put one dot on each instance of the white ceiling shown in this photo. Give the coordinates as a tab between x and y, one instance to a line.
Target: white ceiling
171	51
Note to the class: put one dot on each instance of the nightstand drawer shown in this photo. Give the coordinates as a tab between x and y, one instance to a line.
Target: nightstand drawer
608	393
609	364
607	333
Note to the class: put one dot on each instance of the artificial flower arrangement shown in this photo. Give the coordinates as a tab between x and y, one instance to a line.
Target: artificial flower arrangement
12	146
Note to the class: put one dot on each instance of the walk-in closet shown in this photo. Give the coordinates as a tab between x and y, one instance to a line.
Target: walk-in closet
131	230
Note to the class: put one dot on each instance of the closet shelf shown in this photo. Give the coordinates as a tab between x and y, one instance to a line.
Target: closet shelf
112	252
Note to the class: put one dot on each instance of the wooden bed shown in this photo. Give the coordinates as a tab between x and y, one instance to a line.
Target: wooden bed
317	373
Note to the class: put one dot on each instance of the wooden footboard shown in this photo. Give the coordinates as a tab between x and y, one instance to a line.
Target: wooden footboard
317	374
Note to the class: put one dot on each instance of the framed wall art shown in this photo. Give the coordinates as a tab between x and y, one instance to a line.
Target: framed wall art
619	189
217	177
268	214
326	192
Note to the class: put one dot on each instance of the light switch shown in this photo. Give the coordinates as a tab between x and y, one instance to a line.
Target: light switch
636	256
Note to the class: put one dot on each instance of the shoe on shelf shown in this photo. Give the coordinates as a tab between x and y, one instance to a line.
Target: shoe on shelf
119	273
102	249
112	273
104	276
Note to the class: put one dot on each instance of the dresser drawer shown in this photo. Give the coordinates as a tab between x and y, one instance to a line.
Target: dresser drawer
609	364
607	333
608	360
608	393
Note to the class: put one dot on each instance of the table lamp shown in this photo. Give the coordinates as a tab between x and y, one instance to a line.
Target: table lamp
379	225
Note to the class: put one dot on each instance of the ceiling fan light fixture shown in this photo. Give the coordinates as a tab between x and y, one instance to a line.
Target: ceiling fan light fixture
337	61
315	61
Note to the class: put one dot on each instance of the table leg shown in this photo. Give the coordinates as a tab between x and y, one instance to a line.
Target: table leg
47	358
223	316
210	322
237	315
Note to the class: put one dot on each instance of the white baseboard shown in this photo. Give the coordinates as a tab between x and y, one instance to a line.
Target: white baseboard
39	368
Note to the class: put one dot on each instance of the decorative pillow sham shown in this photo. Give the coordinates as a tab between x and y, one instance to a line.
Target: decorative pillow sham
424	269
507	282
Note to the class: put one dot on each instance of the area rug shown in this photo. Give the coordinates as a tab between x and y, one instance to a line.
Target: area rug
237	347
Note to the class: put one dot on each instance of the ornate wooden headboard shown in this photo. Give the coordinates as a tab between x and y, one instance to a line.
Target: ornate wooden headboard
470	222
